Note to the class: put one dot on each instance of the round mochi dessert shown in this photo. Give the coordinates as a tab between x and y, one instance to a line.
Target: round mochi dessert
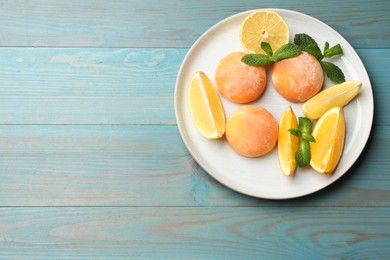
239	82
298	78
251	131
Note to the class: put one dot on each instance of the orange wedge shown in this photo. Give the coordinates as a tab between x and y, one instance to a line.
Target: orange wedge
263	26
205	106
287	143
329	133
336	96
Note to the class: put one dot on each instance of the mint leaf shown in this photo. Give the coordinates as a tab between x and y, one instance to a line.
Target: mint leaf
302	155
304	124
333	72
335	50
314	50
295	132
256	59
308	44
286	51
326	47
303	40
267	48
308	137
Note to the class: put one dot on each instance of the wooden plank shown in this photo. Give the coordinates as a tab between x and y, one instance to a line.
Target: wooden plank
115	86
122	23
378	67
195	233
88	86
133	165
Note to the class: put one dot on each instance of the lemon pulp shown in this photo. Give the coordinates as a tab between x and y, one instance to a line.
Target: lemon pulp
263	26
287	142
205	106
329	133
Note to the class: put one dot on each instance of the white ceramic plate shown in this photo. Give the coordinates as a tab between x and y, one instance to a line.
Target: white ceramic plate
261	177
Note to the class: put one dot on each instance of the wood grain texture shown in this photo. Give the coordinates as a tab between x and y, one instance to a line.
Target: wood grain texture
195	233
123	23
140	165
377	65
88	86
92	165
116	86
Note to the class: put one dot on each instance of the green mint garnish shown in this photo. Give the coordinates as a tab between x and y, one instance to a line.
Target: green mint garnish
333	72
303	40
314	50
308	44
302	155
304	124
295	132
286	51
330	52
308	137
266	47
256	59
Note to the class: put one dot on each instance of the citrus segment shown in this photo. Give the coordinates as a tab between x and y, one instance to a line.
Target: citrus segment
206	107
287	142
329	133
336	96
263	26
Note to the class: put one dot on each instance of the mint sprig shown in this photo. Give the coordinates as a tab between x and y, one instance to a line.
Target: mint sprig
266	47
302	40
330	52
302	155
286	51
314	50
333	72
308	44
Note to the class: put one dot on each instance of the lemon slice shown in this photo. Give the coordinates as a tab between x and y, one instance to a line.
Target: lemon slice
329	133
336	96
263	26
205	106
287	143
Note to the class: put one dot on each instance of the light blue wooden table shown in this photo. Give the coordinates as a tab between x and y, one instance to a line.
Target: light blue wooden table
92	164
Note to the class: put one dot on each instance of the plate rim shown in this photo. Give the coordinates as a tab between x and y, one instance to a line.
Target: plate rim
227	183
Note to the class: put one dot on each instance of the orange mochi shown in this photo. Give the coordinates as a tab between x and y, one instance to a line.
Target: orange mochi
298	78
239	82
251	131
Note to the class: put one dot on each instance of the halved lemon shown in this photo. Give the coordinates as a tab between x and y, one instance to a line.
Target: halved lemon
205	106
287	142
336	96
263	26
329	133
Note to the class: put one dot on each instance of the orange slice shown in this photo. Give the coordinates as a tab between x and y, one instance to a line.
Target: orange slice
329	133
263	26
287	143
336	96
206	107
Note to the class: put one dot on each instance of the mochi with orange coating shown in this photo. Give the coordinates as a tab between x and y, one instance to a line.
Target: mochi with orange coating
252	131
239	82
298	78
